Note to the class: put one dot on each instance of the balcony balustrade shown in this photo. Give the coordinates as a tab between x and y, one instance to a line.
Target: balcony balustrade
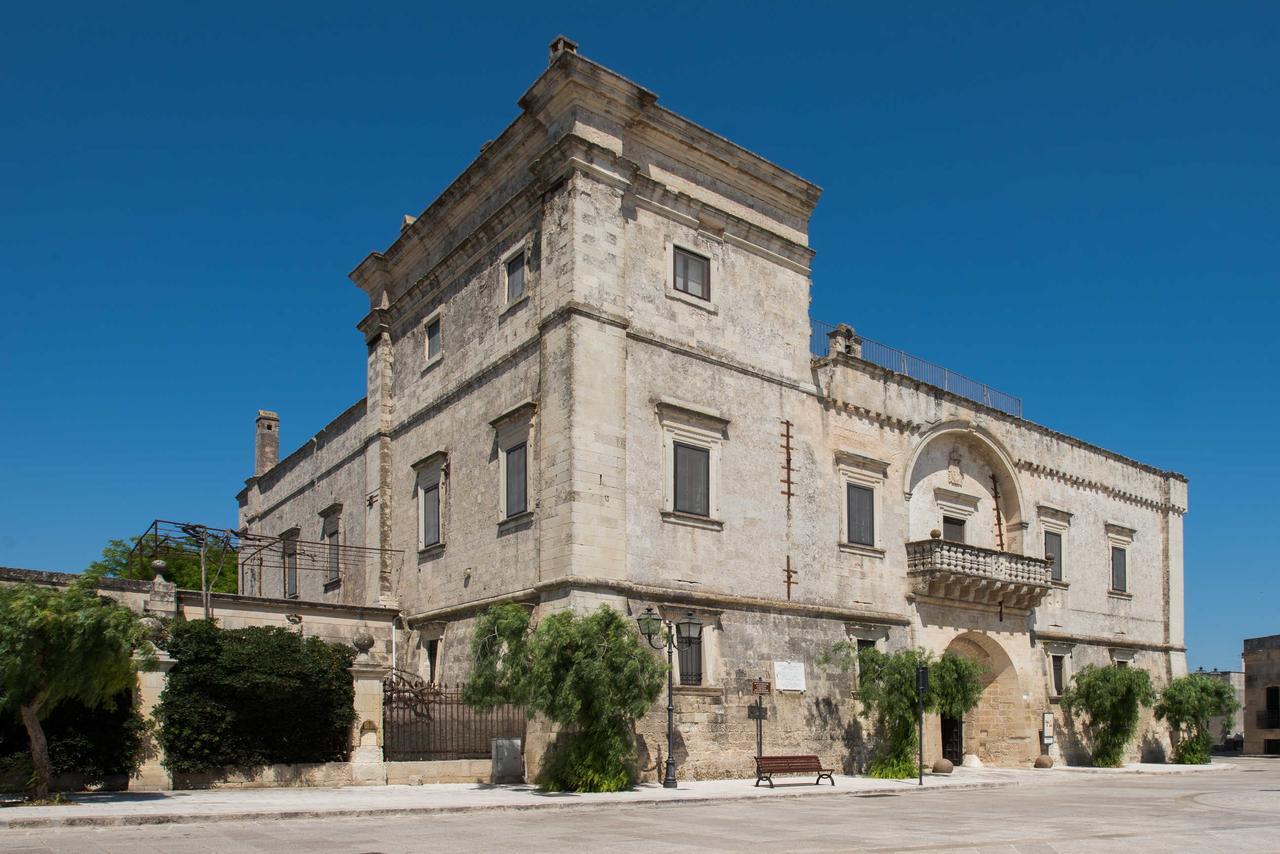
964	573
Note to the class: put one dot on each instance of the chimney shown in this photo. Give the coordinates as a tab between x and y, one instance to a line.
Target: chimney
266	442
561	44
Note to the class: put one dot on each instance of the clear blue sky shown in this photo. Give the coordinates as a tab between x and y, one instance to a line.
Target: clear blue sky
1075	203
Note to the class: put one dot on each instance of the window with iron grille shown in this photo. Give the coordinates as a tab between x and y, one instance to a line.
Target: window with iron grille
690	651
333	557
434	342
692	273
692	480
516	484
862	525
515	278
1058	663
430	498
1053	551
290	569
1119	569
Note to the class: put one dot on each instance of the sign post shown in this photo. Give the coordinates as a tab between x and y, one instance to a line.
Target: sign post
922	688
761	688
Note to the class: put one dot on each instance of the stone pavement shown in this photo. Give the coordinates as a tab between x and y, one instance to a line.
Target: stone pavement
1235	810
210	805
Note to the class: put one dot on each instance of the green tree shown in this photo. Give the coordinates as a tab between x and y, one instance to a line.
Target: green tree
887	690
121	559
1112	699
1187	704
590	674
61	644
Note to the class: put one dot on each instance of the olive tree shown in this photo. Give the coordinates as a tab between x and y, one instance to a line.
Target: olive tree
62	644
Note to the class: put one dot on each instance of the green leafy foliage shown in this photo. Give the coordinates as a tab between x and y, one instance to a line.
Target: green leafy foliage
1111	698
61	645
590	674
887	689
240	698
182	563
1187	704
93	743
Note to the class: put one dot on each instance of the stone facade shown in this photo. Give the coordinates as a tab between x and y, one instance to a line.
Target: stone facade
1262	695
595	367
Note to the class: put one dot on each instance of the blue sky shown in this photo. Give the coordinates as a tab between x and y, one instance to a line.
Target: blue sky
1076	203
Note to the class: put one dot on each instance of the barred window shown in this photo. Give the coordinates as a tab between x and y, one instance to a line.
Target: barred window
690	650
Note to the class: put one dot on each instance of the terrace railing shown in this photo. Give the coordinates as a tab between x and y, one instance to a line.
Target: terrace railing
900	362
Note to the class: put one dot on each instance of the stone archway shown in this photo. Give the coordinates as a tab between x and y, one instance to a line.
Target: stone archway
996	730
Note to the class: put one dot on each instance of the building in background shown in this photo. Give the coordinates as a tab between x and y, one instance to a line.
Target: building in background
593	379
1262	695
1230	736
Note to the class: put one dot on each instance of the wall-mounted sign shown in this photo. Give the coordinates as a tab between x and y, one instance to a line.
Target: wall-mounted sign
788	675
761	687
1046	728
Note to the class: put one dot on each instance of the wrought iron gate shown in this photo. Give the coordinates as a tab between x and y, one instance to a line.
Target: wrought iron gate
953	739
422	721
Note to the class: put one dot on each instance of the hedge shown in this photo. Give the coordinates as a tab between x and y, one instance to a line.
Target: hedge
242	698
96	743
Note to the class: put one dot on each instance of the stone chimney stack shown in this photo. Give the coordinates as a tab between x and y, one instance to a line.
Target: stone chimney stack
559	45
266	443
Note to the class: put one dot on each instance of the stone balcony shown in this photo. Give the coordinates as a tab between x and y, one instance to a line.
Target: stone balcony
969	574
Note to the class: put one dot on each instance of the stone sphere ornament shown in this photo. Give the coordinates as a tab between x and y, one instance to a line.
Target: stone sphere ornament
363	642
935	534
943	766
1043	762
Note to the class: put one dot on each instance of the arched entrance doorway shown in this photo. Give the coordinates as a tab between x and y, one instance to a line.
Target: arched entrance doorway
996	730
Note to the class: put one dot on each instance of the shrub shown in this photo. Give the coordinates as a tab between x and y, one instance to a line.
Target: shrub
241	698
1111	698
887	689
1187	704
590	674
95	743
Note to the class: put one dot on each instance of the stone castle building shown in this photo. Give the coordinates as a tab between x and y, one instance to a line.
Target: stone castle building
592	378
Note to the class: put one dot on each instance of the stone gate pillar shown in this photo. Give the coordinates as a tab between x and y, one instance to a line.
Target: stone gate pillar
368	766
152	676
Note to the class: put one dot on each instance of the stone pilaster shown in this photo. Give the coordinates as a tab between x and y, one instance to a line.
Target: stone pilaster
368	766
152	676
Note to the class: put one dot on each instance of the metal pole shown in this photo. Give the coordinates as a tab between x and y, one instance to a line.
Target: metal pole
204	585
669	781
920	735
760	725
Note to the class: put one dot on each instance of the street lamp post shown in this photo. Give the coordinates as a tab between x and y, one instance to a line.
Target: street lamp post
659	633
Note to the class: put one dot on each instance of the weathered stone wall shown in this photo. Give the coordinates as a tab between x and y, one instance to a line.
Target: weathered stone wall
1261	671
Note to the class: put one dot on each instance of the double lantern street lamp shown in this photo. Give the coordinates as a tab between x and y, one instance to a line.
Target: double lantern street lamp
659	632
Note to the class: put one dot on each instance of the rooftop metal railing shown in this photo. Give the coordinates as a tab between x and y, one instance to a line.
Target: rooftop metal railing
893	359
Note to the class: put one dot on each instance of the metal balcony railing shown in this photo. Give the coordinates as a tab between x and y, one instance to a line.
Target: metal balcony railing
893	359
944	569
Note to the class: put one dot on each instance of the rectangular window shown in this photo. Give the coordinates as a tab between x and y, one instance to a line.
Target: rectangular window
515	278
692	480
430	497
1119	569
861	514
1053	551
953	529
290	569
690	649
516	499
333	566
1057	662
433	339
692	274
865	643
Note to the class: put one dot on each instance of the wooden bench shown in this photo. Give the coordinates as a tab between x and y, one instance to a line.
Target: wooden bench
767	766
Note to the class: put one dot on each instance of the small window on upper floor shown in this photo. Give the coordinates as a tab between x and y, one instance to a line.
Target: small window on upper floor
1119	569
692	273
515	479
1053	552
861	503
692	480
434	339
515	277
952	529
